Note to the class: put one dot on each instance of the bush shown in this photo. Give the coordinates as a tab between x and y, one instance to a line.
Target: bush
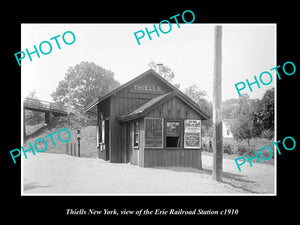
227	149
242	150
268	134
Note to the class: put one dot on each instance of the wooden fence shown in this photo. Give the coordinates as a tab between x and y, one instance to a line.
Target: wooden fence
72	149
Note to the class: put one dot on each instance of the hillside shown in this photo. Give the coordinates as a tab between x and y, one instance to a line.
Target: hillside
88	135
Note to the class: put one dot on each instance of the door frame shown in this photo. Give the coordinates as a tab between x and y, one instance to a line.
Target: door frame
106	137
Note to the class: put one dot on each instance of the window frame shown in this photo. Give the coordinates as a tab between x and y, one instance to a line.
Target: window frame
180	135
136	131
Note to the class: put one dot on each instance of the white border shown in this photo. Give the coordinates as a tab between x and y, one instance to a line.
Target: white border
175	194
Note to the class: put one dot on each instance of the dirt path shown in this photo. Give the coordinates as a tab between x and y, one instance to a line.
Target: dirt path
63	174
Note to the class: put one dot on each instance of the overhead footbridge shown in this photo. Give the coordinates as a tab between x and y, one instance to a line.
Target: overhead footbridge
49	108
46	107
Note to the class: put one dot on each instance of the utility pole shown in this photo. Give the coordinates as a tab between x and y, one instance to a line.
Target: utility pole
217	100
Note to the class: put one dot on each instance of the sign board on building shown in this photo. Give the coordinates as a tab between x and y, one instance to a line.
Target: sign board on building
153	132
145	88
192	133
103	131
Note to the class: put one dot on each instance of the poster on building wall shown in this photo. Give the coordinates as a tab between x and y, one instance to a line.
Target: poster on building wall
192	133
103	131
153	132
97	136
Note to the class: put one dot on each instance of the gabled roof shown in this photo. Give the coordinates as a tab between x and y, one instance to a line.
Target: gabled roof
155	102
102	98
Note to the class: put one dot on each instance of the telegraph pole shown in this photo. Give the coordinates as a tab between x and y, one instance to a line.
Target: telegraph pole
217	100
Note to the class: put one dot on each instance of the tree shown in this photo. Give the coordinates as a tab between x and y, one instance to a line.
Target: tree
165	72
228	107
199	96
246	127
33	117
267	110
264	114
83	83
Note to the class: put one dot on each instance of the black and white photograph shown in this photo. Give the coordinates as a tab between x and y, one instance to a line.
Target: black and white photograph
149	113
140	116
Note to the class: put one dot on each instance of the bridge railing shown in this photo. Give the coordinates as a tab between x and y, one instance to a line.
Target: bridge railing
36	103
58	107
44	105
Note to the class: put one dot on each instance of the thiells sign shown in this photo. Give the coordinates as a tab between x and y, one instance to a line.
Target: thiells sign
145	88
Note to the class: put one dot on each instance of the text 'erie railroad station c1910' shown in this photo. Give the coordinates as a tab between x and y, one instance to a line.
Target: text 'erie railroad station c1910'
149	123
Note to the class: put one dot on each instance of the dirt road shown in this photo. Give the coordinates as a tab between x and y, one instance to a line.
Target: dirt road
50	173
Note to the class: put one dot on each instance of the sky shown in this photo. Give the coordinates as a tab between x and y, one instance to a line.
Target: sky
247	50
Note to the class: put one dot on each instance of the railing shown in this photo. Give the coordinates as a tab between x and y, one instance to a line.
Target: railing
47	106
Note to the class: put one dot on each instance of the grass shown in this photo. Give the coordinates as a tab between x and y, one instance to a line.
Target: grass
88	137
241	148
30	129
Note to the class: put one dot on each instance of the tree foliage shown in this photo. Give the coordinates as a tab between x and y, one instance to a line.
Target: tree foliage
244	128
83	83
228	108
33	117
165	72
200	97
254	117
262	110
266	110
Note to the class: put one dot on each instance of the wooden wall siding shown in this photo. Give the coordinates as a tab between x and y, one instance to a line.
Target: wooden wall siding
174	109
137	155
125	101
123	136
105	109
134	152
102	154
122	102
142	143
170	158
125	93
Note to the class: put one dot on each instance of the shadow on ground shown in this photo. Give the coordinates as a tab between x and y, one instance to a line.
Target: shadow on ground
34	185
232	179
36	133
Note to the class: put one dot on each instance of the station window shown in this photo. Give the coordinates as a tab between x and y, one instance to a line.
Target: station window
173	134
136	135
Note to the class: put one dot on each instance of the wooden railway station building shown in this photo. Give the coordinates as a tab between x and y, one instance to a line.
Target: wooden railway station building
150	123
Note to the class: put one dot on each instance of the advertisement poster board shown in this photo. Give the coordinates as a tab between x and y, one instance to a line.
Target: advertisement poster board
192	134
154	133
